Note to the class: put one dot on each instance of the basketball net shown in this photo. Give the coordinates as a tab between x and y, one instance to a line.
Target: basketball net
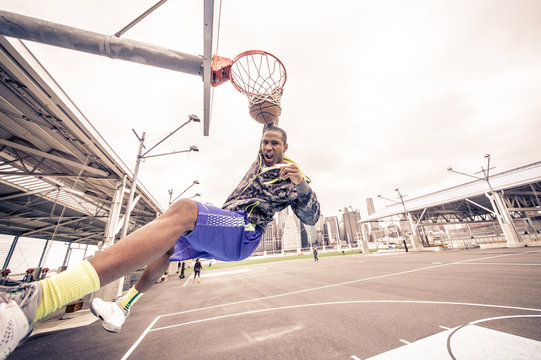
258	75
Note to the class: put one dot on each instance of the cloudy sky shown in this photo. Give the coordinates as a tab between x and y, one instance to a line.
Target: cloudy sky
379	95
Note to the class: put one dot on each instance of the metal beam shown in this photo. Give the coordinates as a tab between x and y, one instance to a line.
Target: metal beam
26	234
52	157
25	193
57	175
46	32
11	250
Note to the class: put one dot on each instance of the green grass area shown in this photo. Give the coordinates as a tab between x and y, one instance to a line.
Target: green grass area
249	261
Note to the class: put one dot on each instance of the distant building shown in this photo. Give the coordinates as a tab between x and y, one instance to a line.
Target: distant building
351	230
374	225
290	236
332	230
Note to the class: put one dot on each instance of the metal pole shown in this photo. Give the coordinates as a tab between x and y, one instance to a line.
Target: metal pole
132	188
192	117
414	240
10	252
46	32
171	193
66	257
43	252
139	18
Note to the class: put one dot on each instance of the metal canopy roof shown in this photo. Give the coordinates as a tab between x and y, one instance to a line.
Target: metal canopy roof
467	202
57	174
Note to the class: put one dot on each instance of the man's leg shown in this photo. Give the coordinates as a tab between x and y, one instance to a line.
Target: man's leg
114	314
146	244
136	250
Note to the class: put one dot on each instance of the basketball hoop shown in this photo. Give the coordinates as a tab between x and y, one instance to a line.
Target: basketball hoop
257	74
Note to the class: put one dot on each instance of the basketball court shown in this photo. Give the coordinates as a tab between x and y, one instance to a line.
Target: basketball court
459	304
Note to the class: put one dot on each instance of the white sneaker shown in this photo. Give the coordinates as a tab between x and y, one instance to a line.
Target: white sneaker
18	305
111	314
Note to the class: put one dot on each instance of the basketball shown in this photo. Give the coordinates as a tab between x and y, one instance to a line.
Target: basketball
265	112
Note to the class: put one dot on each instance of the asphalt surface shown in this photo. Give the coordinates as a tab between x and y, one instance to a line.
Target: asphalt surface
462	304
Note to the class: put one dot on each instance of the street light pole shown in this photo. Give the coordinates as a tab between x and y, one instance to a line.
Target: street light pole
133	186
195	182
414	238
500	209
141	156
410	221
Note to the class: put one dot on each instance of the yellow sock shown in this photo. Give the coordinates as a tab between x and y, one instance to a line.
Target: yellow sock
66	287
130	298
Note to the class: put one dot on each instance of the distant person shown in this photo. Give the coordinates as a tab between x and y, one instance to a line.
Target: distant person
187	230
315	254
197	271
183	265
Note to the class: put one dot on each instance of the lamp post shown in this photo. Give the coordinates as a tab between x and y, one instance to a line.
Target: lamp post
141	156
195	182
500	209
414	238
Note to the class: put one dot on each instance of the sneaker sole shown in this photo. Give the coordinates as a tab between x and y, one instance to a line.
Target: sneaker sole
104	324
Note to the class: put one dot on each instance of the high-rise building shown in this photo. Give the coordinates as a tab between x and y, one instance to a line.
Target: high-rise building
370	206
332	230
351	227
290	236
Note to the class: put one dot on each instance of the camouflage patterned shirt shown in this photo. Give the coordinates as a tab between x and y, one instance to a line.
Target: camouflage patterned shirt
261	193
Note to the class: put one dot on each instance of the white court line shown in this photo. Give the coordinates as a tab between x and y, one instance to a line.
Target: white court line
445	327
341	303
355	357
188	279
503	317
138	341
404	341
229	272
341	284
327	287
505	264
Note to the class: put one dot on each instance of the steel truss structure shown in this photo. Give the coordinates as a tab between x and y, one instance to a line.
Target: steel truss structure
58	178
472	202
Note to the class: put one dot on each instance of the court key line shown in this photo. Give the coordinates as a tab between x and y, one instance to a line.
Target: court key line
138	341
346	302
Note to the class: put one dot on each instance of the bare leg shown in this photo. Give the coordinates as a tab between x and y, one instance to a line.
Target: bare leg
153	272
147	244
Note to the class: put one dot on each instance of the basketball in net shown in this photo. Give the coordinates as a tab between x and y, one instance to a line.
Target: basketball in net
265	112
261	77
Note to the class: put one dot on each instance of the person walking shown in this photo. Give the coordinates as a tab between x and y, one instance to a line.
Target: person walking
197	271
315	254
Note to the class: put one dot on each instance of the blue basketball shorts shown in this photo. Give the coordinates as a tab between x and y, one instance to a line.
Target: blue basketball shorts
218	234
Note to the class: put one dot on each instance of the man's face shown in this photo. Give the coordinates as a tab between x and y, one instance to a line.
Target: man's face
273	147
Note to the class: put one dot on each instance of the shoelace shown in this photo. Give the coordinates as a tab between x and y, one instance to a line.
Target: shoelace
11	290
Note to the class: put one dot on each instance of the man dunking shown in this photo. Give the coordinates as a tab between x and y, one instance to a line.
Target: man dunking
187	230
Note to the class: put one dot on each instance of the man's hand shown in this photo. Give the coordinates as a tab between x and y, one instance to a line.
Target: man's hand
291	172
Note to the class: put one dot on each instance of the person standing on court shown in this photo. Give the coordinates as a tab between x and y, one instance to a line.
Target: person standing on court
197	271
187	230
315	254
